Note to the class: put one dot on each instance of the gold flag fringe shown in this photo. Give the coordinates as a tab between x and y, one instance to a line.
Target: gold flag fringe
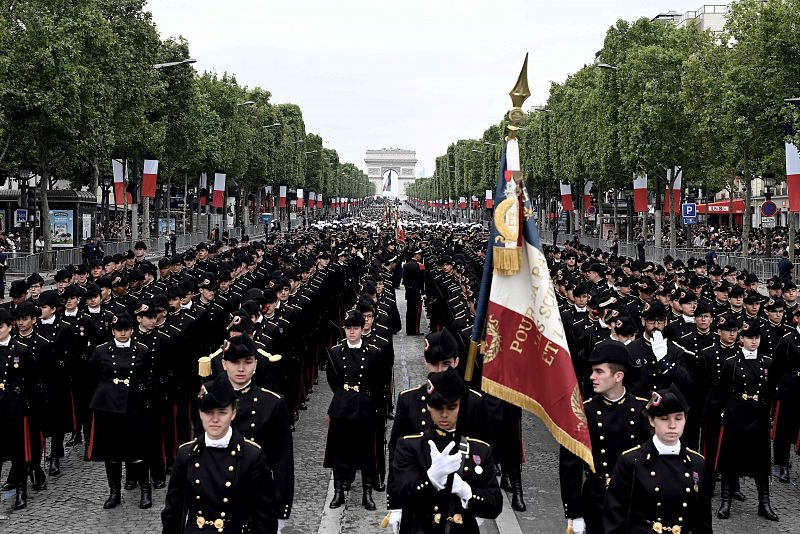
507	260
523	401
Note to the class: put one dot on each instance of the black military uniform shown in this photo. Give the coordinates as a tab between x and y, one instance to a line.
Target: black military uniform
220	485
784	379
420	494
414	283
614	426
655	488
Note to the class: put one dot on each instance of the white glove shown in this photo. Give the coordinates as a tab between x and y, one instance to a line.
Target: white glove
442	464
659	345
394	519
461	489
281	524
578	525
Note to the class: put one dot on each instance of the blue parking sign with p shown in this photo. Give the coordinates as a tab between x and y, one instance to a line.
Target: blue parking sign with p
689	213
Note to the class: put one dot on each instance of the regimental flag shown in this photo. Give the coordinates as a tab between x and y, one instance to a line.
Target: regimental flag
282	196
526	359
674	199
640	194
218	197
120	170
566	197
149	178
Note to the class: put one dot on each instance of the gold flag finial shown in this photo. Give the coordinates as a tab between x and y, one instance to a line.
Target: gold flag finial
519	94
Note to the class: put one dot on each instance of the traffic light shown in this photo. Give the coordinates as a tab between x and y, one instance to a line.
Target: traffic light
31	200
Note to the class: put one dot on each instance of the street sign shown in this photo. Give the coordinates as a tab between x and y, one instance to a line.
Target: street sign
20	217
689	220
591	210
689	209
769	209
767	221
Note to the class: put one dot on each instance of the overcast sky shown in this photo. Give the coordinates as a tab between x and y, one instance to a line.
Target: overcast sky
416	74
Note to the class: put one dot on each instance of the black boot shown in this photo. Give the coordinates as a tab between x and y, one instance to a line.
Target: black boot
21	500
366	499
38	480
114	475
736	490
505	481
724	511
764	508
146	499
55	467
159	475
515	478
378	484
130	477
338	493
784	476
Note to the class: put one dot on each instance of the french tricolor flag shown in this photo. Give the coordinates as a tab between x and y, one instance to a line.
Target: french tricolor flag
120	170
300	199
640	194
218	198
566	197
282	197
203	185
149	177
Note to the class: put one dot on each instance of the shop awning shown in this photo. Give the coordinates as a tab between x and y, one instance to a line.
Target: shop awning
723	207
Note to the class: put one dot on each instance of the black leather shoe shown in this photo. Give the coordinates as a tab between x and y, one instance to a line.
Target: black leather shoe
55	467
378	484
738	496
505	482
366	499
159	484
303	406
131	485
21	500
8	486
114	498
338	495
724	511
784	475
146	499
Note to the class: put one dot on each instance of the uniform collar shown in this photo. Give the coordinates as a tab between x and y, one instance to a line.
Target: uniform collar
356	346
221	443
666	450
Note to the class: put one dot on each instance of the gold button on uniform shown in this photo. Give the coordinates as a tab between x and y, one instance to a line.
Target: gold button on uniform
228	484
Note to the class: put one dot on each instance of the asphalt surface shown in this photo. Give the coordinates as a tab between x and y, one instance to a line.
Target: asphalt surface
73	501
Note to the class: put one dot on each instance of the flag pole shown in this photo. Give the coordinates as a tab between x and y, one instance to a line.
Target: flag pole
519	93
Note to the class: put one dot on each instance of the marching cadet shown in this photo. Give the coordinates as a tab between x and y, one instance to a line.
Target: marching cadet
772	328
661	485
17	372
26	315
616	422
414	282
120	423
220	480
789	295
784	380
423	462
262	417
744	436
18	293
354	375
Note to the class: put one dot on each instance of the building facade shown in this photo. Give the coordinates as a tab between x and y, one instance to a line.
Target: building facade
391	170
708	17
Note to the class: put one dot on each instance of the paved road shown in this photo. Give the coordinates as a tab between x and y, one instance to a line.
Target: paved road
73	502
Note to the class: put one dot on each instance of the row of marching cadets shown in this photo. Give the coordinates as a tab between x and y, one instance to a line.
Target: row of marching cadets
117	360
728	353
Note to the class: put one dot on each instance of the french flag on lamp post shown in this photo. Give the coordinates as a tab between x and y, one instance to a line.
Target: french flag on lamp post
566	197
203	185
300	199
489	200
149	177
587	194
640	193
675	200
218	198
282	197
793	163
120	171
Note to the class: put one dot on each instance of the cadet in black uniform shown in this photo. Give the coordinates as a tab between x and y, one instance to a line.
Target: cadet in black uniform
262	416
220	481
414	282
119	410
661	485
616	422
354	375
784	379
423	462
744	438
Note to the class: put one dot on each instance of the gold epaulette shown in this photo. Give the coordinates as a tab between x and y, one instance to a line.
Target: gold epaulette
633	449
478	441
187	443
410	390
412	436
204	363
265	390
695	453
478	393
251	442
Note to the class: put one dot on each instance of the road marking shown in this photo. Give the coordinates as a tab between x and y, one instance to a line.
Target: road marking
331	522
507	522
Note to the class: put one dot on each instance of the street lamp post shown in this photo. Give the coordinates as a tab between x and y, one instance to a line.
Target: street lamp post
769	181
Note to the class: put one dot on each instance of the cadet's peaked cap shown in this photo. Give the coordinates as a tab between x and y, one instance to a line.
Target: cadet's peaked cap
218	393
440	346
27	309
609	351
241	322
145	308
654	310
354	318
726	321
6	317
122	321
444	387
238	347
750	329
49	298
18	288
774	305
667	401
